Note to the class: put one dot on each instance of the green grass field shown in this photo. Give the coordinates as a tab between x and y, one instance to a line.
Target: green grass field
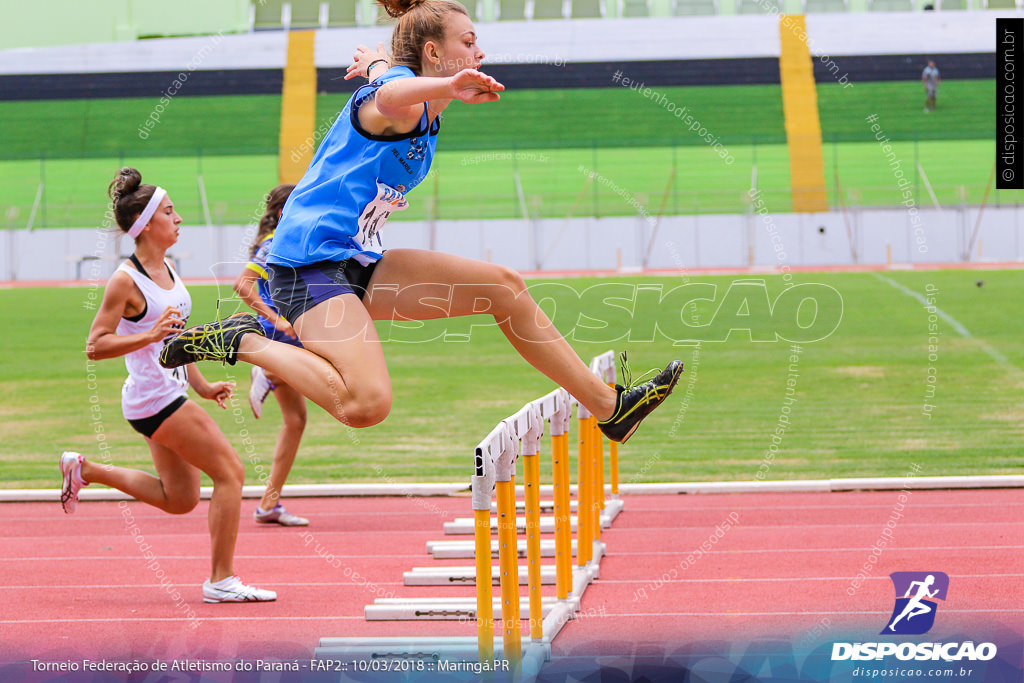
632	142
858	411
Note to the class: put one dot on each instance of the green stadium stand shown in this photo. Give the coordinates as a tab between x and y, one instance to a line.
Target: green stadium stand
817	6
307	14
267	15
891	5
548	9
756	7
511	10
1002	4
341	13
684	8
634	8
587	9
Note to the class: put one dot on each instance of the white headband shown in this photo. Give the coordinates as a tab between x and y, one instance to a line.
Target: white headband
147	213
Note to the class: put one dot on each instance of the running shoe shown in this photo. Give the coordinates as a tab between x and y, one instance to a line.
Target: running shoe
232	589
636	400
71	469
259	389
212	341
279	515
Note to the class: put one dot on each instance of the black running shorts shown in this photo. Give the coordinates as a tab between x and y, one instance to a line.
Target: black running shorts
296	290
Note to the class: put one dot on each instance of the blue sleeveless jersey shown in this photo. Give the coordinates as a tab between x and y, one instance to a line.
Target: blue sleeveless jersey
354	183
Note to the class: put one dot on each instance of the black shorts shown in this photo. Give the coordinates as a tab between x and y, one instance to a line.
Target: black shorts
147	426
296	290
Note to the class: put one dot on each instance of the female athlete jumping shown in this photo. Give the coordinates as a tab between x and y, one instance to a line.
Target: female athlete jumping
145	302
331	277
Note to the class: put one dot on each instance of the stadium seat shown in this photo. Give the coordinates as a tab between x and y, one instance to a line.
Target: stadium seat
682	8
305	14
511	10
548	9
634	8
587	9
891	5
341	13
817	6
757	6
474	7
267	15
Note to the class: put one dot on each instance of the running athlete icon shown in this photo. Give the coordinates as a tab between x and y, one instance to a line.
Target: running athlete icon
917	606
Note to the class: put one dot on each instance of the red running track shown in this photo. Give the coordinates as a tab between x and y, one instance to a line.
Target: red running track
78	585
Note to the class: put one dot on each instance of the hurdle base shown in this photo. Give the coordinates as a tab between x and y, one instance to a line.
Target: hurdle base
612	508
443	609
449	649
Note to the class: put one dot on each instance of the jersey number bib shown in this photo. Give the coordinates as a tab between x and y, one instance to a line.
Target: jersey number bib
375	215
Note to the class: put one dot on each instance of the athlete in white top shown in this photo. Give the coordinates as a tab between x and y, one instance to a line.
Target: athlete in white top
144	303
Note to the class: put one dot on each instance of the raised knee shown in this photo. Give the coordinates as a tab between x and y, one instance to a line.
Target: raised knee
510	277
366	411
183	505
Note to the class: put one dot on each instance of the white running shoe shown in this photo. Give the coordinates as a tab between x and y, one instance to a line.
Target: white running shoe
278	515
71	469
232	589
259	389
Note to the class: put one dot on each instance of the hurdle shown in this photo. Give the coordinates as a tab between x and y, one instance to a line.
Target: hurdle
496	510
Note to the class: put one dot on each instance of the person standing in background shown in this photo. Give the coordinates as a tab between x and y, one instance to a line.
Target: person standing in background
930	79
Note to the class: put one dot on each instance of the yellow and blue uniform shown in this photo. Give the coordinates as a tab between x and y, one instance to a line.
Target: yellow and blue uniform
258	264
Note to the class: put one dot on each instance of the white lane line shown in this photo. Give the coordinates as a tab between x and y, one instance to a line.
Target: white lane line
938	526
65	620
994	354
363	619
618	554
738	579
778	614
743	579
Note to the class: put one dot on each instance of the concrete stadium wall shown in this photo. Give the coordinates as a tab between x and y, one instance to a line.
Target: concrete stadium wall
550	42
710	241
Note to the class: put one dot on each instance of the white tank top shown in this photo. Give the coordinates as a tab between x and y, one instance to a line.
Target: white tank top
150	388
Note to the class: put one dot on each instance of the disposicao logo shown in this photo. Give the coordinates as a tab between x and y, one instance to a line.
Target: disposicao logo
917	595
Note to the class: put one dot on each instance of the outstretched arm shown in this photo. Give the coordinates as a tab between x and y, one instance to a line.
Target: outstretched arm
220	392
363	58
104	342
245	286
398	105
910	588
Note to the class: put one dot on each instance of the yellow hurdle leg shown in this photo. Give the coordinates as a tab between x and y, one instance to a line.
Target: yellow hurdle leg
484	591
509	571
599	487
596	477
613	461
584	488
613	467
563	547
531	481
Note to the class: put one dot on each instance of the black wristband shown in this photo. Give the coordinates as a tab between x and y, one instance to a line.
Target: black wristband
373	64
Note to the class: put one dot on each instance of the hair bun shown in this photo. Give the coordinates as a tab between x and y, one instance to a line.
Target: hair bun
396	8
126	182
